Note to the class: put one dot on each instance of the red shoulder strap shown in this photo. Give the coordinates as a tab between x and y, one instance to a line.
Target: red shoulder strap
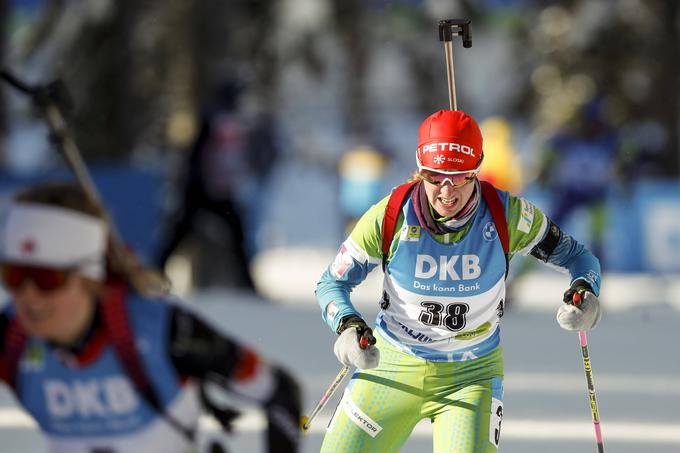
123	340
392	214
15	341
495	205
493	201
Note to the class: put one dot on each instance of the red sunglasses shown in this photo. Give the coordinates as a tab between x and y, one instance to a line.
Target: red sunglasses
15	275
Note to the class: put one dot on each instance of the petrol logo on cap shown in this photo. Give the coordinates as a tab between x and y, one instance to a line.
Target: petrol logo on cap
448	146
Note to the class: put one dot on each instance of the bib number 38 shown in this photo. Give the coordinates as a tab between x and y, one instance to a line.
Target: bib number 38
451	316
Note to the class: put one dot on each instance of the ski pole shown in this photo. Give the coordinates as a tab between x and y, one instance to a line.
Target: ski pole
583	339
449	28
306	421
52	99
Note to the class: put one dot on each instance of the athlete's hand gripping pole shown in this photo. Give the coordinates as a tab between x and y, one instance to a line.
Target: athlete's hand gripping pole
51	99
306	421
449	28
589	378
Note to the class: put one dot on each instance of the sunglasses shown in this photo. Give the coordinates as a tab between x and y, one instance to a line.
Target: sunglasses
14	276
456	180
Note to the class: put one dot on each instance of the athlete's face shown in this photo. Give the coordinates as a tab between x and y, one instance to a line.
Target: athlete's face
60	315
446	199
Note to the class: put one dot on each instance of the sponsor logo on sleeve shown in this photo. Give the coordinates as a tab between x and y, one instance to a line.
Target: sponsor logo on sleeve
331	310
526	217
591	277
342	262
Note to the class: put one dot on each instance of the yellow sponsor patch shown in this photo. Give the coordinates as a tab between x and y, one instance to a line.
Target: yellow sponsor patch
412	233
471	334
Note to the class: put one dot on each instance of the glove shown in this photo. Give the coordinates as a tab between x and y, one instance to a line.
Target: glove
581	309
355	345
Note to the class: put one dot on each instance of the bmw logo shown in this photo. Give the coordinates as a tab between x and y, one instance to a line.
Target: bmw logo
489	231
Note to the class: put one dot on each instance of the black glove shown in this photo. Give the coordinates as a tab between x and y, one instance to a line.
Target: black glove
580	287
360	325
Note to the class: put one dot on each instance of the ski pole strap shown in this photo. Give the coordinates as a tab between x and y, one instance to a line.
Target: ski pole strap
391	215
493	201
123	341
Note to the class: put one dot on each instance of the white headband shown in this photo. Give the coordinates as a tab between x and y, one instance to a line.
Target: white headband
43	235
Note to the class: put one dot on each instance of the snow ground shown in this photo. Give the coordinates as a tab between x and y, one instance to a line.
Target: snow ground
633	353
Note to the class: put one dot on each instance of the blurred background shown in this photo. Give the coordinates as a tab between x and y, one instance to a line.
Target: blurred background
236	142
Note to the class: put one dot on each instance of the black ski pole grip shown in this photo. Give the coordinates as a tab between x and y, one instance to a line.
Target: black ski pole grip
41	95
448	28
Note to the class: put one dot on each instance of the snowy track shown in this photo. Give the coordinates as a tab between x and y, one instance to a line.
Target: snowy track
633	352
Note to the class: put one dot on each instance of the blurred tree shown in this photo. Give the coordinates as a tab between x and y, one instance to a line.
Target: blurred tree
626	51
3	39
103	53
237	38
138	70
665	94
353	31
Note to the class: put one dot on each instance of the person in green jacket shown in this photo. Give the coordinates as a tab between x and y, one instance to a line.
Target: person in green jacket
434	351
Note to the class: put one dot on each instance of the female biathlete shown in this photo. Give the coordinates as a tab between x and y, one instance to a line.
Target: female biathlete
100	368
444	241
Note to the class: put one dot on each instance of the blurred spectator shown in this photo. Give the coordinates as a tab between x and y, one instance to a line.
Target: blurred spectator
501	165
579	169
361	171
226	169
643	153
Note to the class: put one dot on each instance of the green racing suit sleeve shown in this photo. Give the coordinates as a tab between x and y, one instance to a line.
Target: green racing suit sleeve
529	232
358	256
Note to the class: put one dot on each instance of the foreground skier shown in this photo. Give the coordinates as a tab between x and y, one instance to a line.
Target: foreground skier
100	368
444	241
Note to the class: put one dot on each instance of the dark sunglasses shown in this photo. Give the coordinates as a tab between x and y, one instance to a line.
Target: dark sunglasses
14	276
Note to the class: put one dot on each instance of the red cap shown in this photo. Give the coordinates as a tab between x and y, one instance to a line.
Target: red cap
449	141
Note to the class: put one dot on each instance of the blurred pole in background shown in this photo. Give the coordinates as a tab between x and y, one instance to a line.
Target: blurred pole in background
180	48
3	101
353	32
666	96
